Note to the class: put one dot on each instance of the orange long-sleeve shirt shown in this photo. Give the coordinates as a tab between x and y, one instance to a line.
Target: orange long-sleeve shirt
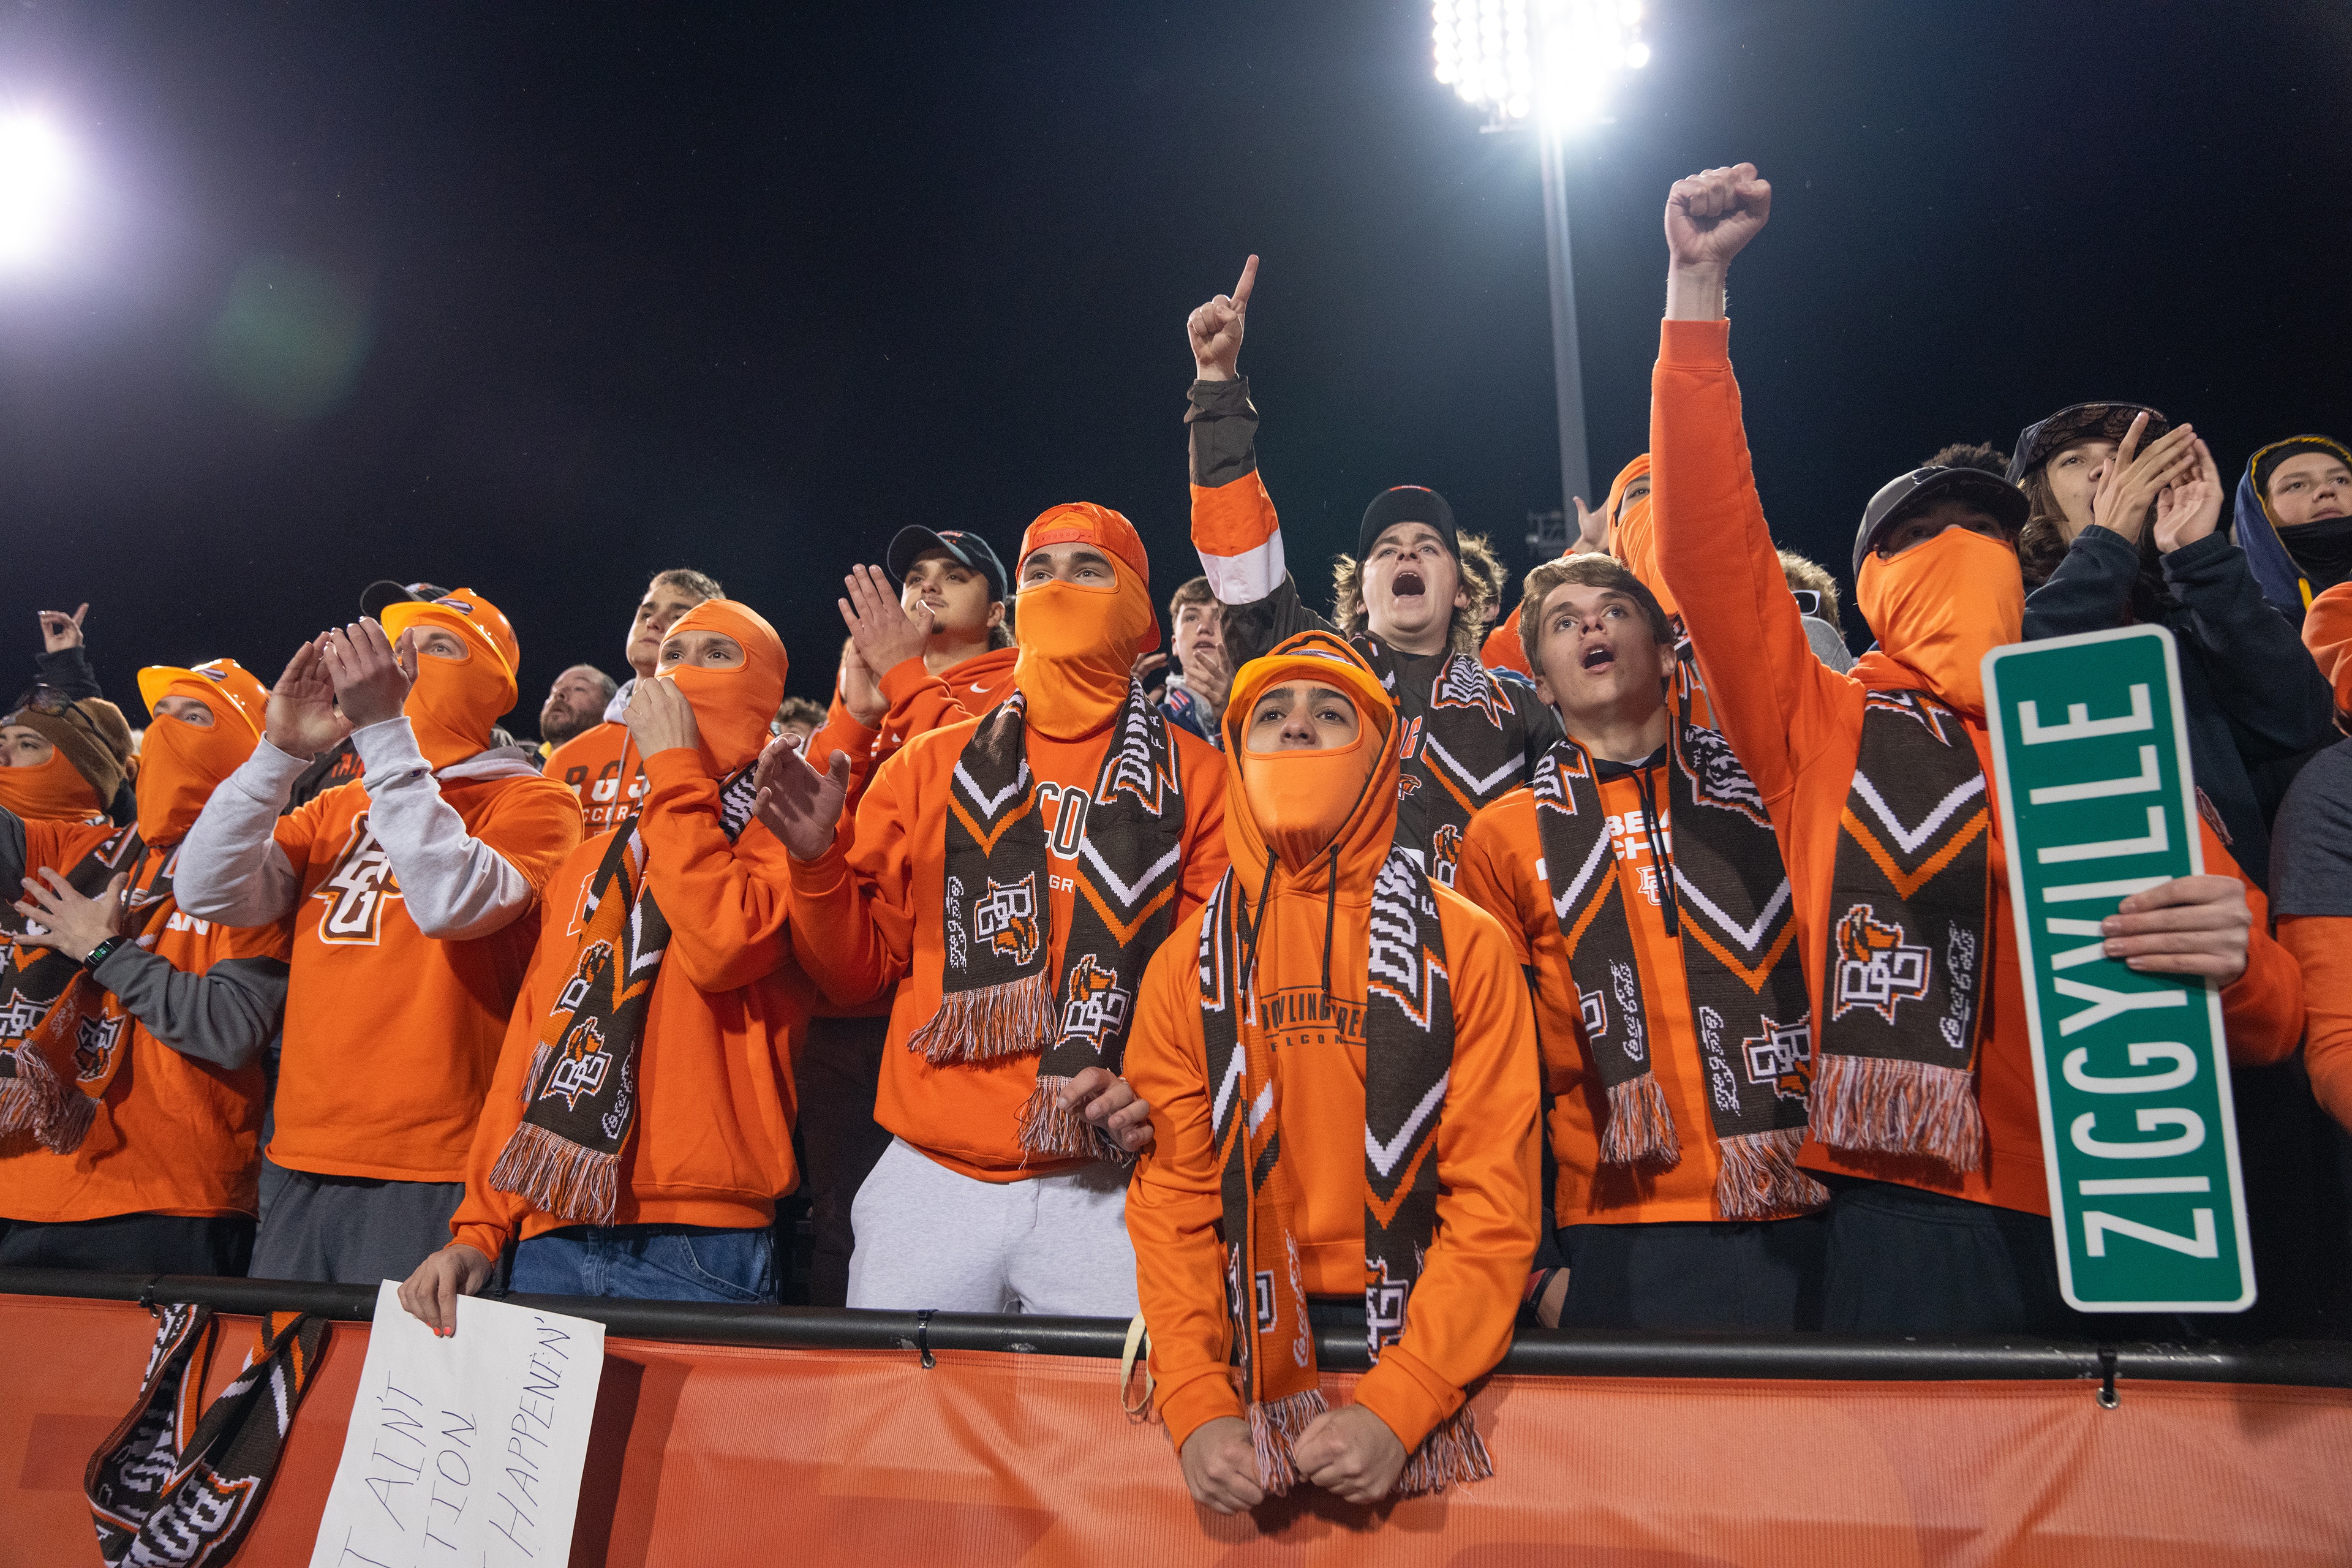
391	1035
713	1141
868	914
1796	726
2323	945
1500	874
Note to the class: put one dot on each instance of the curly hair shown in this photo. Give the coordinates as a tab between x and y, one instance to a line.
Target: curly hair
1982	455
1482	580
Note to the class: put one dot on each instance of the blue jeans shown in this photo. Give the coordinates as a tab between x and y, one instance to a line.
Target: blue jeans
650	1263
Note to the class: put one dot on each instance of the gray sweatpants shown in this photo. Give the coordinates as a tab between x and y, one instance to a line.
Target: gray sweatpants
351	1230
929	1236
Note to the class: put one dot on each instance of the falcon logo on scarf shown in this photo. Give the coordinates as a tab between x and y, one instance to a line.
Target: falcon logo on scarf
1736	925
565	1158
998	997
172	1486
1408	1060
51	1073
1913	876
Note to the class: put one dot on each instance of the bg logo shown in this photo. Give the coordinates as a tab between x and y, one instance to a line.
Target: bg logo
355	890
1006	920
1097	1007
1876	968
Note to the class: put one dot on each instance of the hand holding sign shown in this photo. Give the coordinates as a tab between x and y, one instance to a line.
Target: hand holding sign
2191	925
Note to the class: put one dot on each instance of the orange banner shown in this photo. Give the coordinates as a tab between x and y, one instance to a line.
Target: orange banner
704	1454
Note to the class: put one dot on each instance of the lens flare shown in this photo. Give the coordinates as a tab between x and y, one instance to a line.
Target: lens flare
36	175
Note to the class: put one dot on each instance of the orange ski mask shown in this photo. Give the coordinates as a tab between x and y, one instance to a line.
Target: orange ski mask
54	791
182	764
1299	797
732	707
1938	608
1633	537
454	702
1078	643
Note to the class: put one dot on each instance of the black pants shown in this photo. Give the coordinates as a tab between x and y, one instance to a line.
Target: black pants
1906	1261
1755	1276
839	1069
131	1244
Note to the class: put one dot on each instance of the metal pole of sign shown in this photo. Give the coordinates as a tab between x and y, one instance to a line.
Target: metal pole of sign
1566	364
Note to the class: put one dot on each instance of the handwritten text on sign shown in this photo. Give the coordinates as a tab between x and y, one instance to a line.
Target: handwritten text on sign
467	1449
2097	804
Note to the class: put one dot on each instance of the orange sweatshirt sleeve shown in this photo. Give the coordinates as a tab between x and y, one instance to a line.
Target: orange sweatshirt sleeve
841	731
853	906
921	701
1773	701
1173	1205
725	902
2322	944
2262	1010
1490	1205
486	1219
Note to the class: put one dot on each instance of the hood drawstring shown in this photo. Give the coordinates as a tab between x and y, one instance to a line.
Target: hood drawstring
1254	927
1658	854
1330	918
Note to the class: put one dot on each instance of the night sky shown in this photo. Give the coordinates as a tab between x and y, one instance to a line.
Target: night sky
537	299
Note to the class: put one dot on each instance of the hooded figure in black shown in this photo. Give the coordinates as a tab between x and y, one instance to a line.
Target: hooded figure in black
2296	527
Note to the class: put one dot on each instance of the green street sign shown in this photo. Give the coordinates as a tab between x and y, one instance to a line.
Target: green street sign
2090	757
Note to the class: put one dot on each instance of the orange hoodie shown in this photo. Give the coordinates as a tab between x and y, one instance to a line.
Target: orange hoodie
1796	726
919	702
1488	1210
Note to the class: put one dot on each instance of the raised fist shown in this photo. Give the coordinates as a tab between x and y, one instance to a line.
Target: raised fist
1711	216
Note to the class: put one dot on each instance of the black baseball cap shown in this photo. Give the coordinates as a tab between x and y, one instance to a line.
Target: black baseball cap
1900	497
969	548
1407	503
2038	442
376	596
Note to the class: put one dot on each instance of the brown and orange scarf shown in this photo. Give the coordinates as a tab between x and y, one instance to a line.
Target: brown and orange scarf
997	998
1910	941
59	1050
580	1097
1728	898
1408	1062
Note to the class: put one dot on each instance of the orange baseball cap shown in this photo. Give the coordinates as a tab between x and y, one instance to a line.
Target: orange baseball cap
468	612
211	680
1080	521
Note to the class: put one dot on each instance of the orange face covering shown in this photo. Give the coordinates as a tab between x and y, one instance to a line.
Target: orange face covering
1301	798
1939	608
1077	651
53	791
1632	538
733	706
180	765
454	702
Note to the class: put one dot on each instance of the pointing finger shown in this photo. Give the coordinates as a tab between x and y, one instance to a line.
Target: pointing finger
1249	281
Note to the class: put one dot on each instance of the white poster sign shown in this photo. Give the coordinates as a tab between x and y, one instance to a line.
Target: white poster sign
466	1449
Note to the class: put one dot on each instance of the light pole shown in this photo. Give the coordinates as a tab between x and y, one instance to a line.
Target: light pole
1545	65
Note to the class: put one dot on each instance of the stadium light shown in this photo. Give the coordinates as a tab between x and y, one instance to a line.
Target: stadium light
36	174
1546	65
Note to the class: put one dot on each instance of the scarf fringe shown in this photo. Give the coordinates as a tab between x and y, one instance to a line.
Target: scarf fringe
1453	1454
1048	1127
1760	1178
573	1182
1275	1425
1885	1105
1640	1129
37	1102
989	1024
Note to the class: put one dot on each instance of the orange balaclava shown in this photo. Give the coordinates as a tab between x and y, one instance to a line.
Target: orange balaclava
181	763
1938	608
1078	644
53	790
455	701
732	707
1309	811
1632	538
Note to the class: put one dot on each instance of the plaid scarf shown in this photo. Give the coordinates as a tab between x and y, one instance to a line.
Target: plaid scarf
172	1486
579	1099
1912	885
1408	1058
1727	899
1462	744
997	998
59	1050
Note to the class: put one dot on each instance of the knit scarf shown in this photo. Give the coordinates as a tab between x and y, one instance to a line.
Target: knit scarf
1910	907
997	997
1408	1057
579	1099
59	1050
171	1484
1462	745
1727	901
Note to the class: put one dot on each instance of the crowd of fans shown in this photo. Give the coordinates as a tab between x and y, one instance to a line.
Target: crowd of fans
1290	968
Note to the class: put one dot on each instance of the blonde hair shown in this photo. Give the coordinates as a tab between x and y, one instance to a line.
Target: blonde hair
1802	572
1482	580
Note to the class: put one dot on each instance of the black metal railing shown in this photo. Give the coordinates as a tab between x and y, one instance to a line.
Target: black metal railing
1538	1352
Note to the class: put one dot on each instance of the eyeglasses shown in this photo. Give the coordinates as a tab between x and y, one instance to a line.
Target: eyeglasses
1808	601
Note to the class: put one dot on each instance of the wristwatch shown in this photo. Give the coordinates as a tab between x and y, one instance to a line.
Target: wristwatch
100	953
